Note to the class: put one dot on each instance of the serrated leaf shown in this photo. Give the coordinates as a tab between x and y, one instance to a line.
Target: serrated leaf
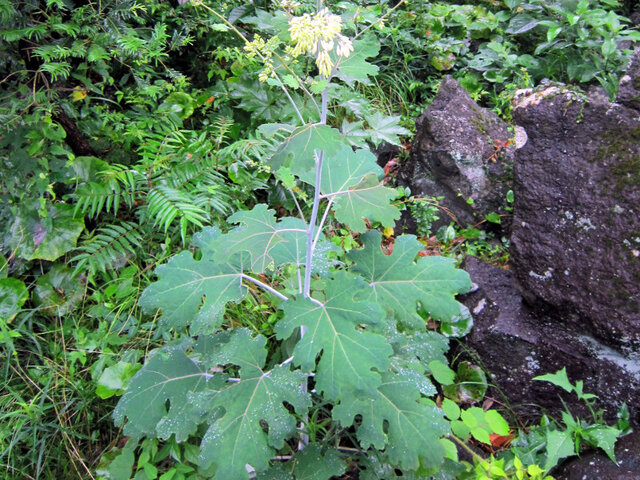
414	427
351	358
368	199
350	178
399	283
291	81
262	237
604	437
237	437
314	464
385	128
559	445
354	134
192	293
297	151
355	68
411	354
259	99
167	377
318	86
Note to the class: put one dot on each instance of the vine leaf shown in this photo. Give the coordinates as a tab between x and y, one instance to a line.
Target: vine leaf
399	283
192	292
236	437
349	356
414	425
168	376
265	239
368	199
355	68
297	151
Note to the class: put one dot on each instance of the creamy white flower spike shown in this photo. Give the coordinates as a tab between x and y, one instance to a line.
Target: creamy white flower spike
317	34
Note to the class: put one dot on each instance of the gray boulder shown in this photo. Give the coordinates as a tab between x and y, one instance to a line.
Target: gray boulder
575	244
629	88
453	156
596	465
516	343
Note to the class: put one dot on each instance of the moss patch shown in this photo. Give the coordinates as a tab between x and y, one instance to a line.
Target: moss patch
620	149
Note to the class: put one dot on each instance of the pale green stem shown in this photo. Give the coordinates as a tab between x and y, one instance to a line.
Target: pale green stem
321	225
264	286
295	200
318	154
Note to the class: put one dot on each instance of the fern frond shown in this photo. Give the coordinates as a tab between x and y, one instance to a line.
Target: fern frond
204	183
248	149
220	128
109	248
166	204
118	184
93	198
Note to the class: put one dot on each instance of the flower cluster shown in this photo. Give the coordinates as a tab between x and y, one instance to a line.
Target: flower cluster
318	34
264	50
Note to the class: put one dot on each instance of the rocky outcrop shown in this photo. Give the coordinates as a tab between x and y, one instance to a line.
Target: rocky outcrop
516	343
596	465
460	152
629	88
572	295
575	243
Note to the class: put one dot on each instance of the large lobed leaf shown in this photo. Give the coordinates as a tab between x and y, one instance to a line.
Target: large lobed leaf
351	178
192	292
350	358
268	242
180	388
237	437
414	426
167	377
355	68
399	282
297	151
368	199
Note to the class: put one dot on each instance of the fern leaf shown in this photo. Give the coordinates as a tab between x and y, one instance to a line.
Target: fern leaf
93	198
109	247
166	204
